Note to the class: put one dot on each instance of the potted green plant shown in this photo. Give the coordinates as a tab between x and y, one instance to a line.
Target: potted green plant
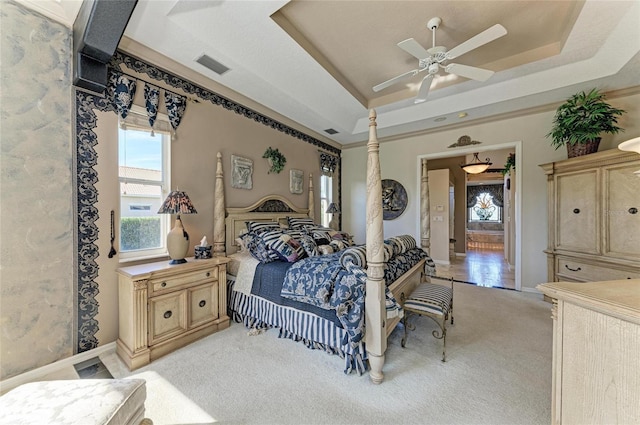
579	122
276	160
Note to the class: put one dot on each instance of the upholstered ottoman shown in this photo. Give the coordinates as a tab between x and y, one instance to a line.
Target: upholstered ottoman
433	301
78	401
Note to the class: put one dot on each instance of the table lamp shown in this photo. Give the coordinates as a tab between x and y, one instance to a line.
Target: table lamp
178	239
333	210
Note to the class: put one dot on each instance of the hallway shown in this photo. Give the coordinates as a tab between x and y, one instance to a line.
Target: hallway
482	267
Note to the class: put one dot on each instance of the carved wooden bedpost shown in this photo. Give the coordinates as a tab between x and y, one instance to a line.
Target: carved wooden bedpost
425	224
375	336
311	201
218	212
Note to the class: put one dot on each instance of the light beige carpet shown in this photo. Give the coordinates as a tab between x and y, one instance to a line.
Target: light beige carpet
498	371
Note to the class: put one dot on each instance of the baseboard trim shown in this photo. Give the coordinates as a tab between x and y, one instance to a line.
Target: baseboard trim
37	374
444	263
531	290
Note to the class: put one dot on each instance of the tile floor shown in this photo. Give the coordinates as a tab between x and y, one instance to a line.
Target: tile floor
482	267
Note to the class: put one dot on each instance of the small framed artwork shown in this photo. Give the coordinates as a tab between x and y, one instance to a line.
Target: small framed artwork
296	179
241	172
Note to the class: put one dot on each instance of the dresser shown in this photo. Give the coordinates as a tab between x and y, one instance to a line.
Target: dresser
594	217
596	341
163	307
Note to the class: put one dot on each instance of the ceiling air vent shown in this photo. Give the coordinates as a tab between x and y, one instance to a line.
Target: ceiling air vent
212	64
331	131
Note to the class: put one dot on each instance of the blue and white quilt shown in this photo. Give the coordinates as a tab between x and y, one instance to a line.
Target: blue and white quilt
326	283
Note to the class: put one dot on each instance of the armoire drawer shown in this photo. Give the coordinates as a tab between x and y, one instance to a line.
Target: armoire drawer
170	282
579	270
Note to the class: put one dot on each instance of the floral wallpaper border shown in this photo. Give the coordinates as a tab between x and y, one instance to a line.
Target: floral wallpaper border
87	177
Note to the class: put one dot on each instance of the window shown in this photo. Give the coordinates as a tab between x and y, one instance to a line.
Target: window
143	164
484	209
326	196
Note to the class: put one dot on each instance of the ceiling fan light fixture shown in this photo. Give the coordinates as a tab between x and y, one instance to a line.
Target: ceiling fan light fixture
476	166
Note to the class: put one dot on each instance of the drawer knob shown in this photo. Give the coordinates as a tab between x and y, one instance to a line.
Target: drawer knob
163	284
208	274
573	270
576	210
167	314
633	210
202	303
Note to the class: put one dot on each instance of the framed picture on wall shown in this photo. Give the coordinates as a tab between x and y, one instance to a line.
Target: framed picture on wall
241	172
296	181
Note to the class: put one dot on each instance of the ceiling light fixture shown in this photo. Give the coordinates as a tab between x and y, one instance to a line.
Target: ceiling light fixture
462	114
632	145
476	166
439	119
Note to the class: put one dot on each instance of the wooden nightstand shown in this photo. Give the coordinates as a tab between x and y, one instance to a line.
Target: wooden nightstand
163	307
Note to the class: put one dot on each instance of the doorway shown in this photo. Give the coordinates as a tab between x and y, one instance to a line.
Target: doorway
481	254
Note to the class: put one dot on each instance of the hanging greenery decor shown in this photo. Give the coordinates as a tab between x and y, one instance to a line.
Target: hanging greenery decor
276	160
511	163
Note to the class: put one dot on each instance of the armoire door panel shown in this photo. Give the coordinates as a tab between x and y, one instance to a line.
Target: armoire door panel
577	212
622	212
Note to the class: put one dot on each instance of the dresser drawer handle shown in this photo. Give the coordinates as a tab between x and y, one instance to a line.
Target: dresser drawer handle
167	314
202	303
576	210
573	270
163	284
208	274
633	210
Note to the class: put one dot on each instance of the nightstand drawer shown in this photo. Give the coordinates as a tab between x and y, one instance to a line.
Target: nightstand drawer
170	282
589	273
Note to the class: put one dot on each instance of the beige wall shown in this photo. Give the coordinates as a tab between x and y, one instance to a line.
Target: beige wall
530	129
205	130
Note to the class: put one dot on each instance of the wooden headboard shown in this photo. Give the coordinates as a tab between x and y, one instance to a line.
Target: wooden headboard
270	208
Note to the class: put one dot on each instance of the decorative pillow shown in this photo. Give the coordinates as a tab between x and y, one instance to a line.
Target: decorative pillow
300	223
258	248
260	226
341	236
320	236
401	244
287	248
309	245
406	241
325	249
356	255
338	245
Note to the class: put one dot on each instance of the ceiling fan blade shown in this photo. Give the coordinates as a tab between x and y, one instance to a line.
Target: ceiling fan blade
466	71
476	41
424	89
394	80
414	48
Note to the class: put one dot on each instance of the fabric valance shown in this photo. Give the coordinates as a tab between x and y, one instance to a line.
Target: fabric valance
495	190
328	163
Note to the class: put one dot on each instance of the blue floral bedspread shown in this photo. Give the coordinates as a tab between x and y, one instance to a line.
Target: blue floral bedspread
324	282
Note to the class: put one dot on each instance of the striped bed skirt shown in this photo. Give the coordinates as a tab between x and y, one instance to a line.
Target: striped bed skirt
313	331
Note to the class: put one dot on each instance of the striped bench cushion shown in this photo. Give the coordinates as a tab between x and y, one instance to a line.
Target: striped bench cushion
430	298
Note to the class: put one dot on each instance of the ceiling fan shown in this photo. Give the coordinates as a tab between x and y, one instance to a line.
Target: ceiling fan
431	60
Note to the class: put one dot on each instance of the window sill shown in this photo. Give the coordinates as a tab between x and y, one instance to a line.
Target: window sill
129	261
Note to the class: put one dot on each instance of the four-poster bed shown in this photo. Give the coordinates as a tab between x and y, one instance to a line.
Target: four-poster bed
257	310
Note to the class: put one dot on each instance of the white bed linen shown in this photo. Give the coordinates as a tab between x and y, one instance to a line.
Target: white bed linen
243	267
